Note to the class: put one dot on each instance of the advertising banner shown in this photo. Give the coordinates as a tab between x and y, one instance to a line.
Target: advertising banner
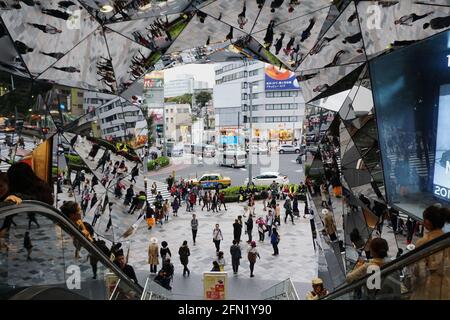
215	285
279	79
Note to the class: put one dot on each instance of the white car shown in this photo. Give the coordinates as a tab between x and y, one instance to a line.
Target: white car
289	148
266	179
259	149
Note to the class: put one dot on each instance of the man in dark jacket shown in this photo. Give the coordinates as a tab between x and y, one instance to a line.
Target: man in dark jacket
249	224
120	261
237	230
236	256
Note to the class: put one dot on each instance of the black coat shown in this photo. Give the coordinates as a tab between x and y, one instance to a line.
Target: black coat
236	254
237	230
184	253
249	224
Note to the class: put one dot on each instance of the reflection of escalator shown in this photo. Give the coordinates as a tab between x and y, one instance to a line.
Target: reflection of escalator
421	274
53	267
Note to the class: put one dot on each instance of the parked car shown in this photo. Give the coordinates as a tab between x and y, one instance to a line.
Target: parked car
177	151
266	178
210	180
289	148
259	149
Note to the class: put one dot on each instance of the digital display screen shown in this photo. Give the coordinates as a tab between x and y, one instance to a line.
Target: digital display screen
441	181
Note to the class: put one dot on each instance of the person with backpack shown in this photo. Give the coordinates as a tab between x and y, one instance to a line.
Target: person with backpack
164	252
251	256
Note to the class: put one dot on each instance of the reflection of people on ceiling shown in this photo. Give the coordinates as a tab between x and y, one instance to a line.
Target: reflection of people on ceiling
288	49
22	48
242	20
336	58
230	34
306	77
201	16
409	19
292	5
208	40
65	4
268	38
56	13
56	55
353	39
67	69
352	17
438	23
325	41
275	5
279	44
45	28
307	33
260	3
321	88
296	57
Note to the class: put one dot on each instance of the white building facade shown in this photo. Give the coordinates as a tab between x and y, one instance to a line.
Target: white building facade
277	114
184	84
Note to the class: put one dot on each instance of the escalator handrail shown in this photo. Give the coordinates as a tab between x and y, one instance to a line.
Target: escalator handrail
8	209
407	259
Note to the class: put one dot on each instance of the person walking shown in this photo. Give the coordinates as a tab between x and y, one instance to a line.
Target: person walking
194	227
274	240
27	245
277	215
249	224
175	206
217	237
222	200
288	208
153	250
236	256
32	219
237	230
251	255
164	252
329	224
269	222
184	253
134	173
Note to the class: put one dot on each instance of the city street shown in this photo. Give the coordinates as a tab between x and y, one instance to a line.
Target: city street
190	168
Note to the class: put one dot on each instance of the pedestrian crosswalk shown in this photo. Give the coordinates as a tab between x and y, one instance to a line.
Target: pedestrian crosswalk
416	164
160	186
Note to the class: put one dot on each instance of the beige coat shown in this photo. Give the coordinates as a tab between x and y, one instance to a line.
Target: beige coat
330	227
361	270
153	250
431	275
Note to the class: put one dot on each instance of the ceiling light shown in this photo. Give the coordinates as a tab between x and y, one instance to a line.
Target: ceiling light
106	8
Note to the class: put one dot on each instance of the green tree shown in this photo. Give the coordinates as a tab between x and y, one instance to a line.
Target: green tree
184	99
202	99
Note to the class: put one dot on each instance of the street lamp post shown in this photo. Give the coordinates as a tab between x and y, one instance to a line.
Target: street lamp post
250	173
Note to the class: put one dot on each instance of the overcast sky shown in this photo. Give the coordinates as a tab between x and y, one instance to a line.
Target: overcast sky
201	72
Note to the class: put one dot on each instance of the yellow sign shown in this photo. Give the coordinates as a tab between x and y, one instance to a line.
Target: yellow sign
215	285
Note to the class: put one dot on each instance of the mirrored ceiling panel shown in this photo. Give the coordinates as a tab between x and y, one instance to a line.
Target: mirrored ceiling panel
157	33
87	66
290	40
10	59
203	31
319	81
398	23
46	31
341	44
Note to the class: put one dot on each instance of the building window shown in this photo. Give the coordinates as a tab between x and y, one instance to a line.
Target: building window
244	85
244	96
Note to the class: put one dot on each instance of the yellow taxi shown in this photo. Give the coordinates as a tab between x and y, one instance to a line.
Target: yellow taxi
210	180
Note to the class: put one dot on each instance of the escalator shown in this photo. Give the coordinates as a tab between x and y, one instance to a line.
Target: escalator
421	274
52	270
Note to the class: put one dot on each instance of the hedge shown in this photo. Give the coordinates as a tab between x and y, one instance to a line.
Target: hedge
232	193
73	159
161	162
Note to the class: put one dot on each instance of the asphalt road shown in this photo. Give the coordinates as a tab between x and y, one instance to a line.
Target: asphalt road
285	164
